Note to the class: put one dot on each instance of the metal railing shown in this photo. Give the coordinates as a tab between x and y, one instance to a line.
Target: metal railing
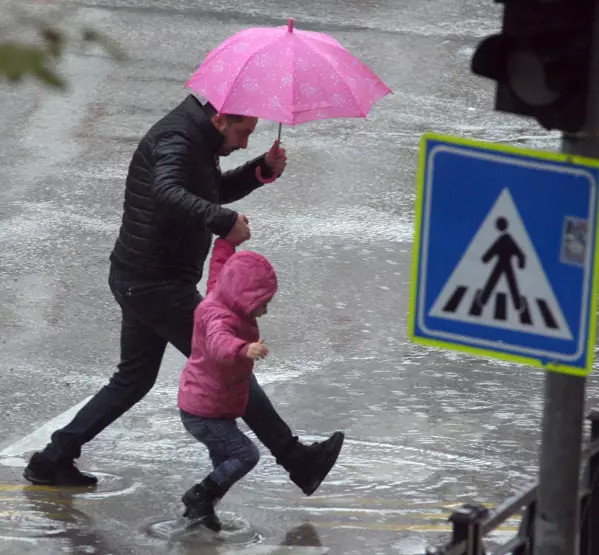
472	522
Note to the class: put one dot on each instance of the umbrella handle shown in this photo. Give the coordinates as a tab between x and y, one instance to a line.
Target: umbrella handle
259	175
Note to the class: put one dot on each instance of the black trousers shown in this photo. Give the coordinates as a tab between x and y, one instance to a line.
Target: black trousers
155	313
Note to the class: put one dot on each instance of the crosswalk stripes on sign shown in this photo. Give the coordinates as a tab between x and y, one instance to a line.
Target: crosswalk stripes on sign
500	307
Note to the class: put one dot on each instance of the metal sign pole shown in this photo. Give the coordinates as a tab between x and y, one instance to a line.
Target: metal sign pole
557	520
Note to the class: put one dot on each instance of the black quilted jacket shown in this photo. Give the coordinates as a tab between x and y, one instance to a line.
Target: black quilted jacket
173	197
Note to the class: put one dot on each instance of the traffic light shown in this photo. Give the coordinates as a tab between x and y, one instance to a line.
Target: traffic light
541	60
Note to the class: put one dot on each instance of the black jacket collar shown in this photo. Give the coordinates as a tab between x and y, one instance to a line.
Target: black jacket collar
202	115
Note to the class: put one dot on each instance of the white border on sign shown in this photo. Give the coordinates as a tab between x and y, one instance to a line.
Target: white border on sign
501	345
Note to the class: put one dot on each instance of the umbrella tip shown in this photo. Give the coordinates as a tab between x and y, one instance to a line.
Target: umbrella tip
290	25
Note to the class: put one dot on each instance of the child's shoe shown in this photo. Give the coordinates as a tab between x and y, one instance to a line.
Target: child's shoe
199	503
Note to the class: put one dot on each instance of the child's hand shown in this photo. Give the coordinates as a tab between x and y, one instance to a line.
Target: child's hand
240	231
257	350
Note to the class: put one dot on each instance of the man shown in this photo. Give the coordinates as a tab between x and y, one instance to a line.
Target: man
173	196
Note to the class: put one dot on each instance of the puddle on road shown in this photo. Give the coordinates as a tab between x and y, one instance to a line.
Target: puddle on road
31	513
23	518
109	485
236	532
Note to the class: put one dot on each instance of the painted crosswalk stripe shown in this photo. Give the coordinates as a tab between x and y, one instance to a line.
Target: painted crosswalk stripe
547	316
455	299
500	306
466	301
38	438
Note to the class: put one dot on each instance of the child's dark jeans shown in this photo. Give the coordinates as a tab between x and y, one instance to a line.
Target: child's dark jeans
233	454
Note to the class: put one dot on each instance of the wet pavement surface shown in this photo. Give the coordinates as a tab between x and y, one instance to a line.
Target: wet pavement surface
426	430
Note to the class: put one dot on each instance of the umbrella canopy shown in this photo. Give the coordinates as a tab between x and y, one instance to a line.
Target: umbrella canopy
286	75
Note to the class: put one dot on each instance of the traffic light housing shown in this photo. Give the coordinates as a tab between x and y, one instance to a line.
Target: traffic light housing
541	60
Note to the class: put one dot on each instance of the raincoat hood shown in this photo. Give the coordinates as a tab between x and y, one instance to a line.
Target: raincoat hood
247	280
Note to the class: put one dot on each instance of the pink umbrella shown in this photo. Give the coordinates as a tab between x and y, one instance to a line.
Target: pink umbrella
286	75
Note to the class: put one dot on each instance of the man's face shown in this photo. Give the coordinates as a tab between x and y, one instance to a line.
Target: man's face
236	133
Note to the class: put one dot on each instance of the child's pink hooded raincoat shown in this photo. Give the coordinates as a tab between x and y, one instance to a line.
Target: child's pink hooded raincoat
215	380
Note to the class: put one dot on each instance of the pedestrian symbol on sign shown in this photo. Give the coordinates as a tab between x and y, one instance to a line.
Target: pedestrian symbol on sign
500	282
503	249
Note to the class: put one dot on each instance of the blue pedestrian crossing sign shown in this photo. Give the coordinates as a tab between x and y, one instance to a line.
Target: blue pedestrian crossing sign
505	253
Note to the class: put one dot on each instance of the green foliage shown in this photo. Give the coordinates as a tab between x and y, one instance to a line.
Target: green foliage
19	59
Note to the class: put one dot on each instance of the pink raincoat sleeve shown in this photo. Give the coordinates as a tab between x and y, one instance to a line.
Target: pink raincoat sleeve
221	252
221	343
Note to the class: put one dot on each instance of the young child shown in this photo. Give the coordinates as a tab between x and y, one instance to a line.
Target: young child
214	385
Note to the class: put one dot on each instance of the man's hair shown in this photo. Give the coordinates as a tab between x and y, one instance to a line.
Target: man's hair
212	111
234	118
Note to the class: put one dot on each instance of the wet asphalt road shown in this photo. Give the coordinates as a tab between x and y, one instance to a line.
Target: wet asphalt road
426	429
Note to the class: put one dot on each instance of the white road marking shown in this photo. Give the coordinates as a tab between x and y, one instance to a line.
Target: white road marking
38	439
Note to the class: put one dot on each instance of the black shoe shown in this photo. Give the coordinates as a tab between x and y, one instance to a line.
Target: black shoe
199	504
319	459
42	471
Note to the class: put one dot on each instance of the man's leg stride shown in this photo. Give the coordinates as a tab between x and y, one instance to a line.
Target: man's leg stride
308	465
153	314
141	354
